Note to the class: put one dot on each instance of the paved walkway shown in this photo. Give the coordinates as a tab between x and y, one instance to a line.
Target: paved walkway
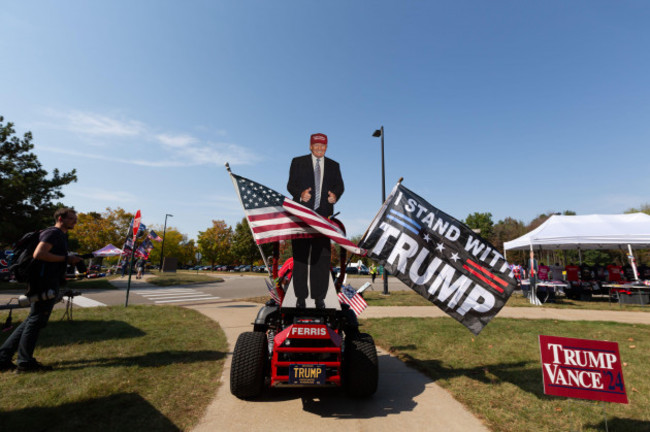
405	398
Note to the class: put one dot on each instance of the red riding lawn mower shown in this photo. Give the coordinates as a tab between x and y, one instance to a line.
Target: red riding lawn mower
303	347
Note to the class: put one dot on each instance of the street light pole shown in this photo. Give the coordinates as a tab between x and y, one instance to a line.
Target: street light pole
376	134
162	249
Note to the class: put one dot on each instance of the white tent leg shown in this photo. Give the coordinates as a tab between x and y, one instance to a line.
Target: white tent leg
633	263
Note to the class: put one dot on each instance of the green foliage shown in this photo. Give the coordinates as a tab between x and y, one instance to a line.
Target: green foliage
177	245
94	230
244	248
27	194
215	243
481	222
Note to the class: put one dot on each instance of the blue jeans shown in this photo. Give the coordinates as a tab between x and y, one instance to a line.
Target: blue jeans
24	338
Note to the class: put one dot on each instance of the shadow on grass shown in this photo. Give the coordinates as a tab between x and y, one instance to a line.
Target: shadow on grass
151	359
521	374
58	333
396	392
621	424
119	412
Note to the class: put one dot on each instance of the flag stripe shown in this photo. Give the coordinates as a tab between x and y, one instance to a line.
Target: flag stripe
404	224
483	278
487	272
356	303
406	218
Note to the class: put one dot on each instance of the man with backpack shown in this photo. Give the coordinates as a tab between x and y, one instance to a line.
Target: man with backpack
46	272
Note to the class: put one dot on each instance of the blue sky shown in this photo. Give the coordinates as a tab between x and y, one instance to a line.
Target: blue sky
508	107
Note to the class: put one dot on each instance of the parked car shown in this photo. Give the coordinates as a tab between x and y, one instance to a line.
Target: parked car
245	268
363	270
351	270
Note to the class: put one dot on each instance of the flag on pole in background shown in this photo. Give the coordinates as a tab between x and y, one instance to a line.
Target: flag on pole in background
273	217
350	296
153	236
128	246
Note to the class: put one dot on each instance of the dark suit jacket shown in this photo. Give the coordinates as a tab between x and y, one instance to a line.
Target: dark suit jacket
301	177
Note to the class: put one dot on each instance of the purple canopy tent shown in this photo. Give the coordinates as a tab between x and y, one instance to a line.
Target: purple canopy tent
107	251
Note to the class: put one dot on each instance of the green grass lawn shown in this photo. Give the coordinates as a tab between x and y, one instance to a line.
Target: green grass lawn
498	376
141	368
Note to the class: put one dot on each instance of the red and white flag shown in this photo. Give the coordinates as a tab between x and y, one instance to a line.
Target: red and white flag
274	217
350	296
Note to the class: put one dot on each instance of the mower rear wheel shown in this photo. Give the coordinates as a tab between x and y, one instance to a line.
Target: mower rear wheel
249	365
361	369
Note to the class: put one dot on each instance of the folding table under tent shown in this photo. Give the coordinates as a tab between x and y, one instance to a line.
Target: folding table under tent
584	232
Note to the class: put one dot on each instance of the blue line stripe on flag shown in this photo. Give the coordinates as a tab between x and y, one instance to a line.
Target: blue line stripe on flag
404	224
406	218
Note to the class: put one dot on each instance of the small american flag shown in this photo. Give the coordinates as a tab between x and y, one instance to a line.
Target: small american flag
273	292
350	296
273	217
153	236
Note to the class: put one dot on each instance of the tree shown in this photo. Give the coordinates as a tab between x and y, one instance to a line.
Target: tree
215	243
26	194
176	245
482	222
95	230
645	208
244	248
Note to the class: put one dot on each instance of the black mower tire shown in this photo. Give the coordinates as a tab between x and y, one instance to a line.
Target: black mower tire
361	367
248	370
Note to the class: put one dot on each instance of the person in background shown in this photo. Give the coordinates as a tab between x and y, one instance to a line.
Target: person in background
373	272
50	261
139	265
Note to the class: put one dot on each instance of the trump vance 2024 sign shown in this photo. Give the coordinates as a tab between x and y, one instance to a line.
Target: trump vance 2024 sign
581	368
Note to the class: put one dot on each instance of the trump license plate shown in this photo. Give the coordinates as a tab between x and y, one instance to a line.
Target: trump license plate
306	374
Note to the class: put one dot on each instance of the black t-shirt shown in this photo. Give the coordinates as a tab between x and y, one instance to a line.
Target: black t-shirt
586	273
59	241
628	271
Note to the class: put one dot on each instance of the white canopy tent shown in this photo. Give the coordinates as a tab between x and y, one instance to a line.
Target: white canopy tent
631	231
587	232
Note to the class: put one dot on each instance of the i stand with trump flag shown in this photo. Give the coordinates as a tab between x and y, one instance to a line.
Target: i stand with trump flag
440	258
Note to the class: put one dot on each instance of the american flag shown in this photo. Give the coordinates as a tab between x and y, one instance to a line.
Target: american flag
153	236
144	249
273	292
128	246
350	296
273	217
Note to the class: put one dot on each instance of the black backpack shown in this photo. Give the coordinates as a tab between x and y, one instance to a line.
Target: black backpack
21	263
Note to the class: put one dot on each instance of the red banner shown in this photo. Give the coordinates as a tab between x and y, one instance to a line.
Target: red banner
136	224
582	368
